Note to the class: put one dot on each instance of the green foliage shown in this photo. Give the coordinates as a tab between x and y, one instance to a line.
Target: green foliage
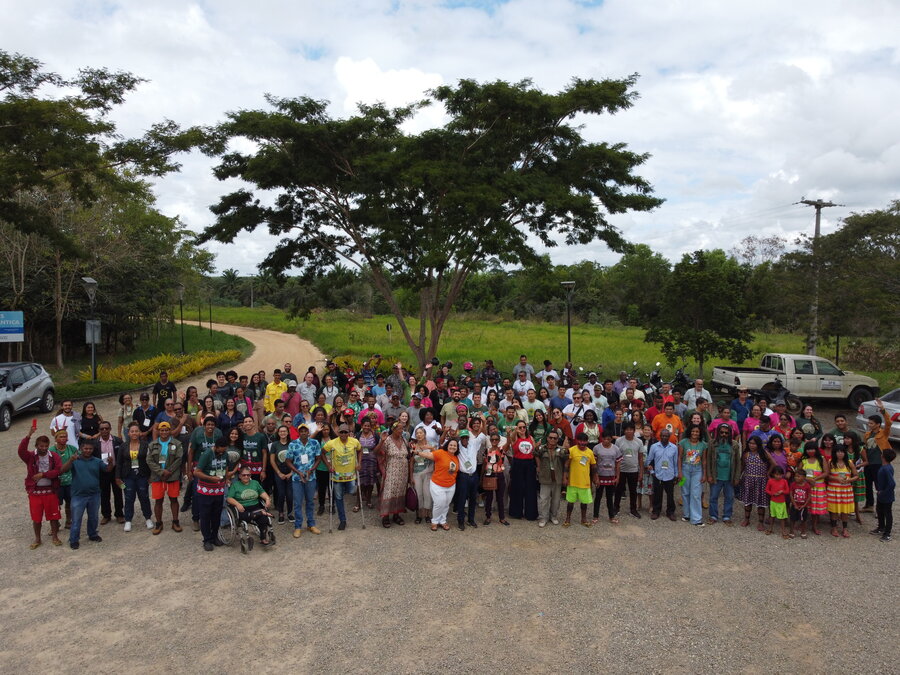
704	310
57	133
146	371
509	165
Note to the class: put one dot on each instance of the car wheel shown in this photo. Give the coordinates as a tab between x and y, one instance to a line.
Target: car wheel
5	417
47	401
859	396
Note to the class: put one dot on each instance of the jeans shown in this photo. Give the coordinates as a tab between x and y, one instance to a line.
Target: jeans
501	498
466	489
209	510
658	487
692	492
304	494
284	494
628	479
339	489
885	514
80	504
136	484
727	487
322	479
108	485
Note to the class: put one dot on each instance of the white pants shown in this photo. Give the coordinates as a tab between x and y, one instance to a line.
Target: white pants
441	498
422	481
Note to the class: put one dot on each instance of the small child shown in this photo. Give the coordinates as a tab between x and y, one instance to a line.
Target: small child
777	489
885	485
801	494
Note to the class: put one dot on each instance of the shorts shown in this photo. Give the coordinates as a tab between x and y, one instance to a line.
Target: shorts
159	489
582	495
799	515
778	510
44	506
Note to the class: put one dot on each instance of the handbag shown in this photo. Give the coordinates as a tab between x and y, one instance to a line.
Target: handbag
412	499
489	483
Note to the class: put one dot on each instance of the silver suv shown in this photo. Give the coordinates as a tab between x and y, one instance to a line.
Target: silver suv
23	385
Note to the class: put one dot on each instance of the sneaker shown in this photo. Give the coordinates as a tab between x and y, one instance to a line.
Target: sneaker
96	538
876	531
298	532
128	526
207	546
542	523
280	518
886	537
685	519
700	524
314	529
555	521
195	525
74	545
343	525
157	528
149	524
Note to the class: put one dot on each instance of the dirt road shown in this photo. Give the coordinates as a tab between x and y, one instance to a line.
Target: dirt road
640	596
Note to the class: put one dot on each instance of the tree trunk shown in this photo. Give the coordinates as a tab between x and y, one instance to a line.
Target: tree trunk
58	307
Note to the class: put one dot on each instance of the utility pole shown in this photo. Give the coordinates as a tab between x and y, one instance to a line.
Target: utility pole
818	205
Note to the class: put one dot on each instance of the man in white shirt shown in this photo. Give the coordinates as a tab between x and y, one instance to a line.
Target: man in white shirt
67	420
578	407
591	381
307	389
522	384
548	371
466	480
691	395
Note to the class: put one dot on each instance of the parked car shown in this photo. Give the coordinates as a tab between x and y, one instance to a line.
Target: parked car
891	402
22	386
809	377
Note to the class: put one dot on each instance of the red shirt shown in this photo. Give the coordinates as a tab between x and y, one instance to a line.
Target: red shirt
775	485
523	448
800	494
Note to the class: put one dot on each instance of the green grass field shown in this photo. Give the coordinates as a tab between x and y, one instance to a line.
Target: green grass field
167	341
610	349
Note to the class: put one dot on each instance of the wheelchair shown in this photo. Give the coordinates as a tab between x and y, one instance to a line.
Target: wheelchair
231	528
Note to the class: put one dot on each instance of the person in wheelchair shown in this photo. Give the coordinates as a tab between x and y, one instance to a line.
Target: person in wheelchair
251	503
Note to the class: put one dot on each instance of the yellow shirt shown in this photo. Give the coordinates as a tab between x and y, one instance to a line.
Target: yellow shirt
342	458
274	390
580	463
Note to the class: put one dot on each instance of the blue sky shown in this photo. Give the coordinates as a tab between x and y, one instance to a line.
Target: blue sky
746	107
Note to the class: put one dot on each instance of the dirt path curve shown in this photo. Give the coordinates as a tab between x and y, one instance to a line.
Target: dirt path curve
272	349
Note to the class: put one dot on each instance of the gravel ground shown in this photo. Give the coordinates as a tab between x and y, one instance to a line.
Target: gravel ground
641	596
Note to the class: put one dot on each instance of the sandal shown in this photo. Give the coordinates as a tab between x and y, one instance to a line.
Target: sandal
385	522
761	527
786	536
505	522
803	536
845	534
745	522
57	542
418	520
594	521
614	520
487	521
445	527
433	527
586	523
791	536
398	520
356	508
567	524
34	545
768	532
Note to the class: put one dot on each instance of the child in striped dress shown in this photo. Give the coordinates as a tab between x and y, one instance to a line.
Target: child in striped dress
841	475
816	472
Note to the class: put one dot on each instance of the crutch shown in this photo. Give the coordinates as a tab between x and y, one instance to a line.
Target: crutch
331	500
362	510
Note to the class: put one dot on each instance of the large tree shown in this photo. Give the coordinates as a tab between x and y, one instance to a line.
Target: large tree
56	133
704	310
509	169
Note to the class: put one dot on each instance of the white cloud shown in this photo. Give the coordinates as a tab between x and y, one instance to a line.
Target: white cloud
745	106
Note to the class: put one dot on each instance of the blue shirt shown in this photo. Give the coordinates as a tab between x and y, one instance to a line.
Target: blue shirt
559	402
764	436
664	459
884	483
163	453
304	457
86	476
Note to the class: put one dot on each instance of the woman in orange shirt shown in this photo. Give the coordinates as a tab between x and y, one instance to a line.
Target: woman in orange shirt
443	481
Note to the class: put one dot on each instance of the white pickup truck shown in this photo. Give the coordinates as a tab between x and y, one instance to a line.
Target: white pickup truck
806	376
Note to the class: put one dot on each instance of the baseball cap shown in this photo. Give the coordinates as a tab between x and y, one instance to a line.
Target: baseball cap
291	384
463	434
163	425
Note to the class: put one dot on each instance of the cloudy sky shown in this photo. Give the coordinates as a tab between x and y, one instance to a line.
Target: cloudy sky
746	106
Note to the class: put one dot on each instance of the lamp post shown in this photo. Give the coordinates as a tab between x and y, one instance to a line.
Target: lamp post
570	287
181	309
92	332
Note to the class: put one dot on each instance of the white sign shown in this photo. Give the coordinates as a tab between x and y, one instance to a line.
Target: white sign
12	327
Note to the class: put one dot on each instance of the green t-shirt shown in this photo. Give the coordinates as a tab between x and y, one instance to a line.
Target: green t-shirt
693	454
214	465
65	478
245	495
723	461
254	444
200	442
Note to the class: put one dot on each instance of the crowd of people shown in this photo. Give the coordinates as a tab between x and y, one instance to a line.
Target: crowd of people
442	445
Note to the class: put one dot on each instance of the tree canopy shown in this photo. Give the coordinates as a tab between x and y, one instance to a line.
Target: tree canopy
423	211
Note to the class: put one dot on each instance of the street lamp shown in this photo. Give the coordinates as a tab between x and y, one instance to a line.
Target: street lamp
570	287
92	330
181	309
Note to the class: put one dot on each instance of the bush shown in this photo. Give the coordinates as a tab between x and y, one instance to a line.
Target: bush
871	355
147	370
